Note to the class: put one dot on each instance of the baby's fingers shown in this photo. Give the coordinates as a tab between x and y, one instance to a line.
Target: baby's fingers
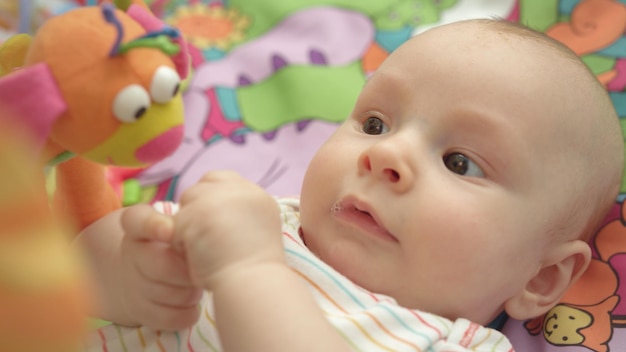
164	317
141	222
172	296
159	262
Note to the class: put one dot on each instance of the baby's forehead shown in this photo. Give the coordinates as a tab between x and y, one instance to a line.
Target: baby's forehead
541	82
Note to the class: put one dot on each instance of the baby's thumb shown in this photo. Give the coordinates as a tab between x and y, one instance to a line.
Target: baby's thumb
142	222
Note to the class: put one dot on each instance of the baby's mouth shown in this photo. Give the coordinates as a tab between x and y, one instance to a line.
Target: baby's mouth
359	215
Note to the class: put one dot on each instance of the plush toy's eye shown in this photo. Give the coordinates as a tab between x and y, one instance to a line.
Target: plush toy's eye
131	103
165	85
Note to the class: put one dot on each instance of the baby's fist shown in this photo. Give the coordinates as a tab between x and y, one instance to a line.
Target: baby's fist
227	223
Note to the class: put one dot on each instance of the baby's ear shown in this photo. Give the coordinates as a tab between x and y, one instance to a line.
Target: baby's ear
563	265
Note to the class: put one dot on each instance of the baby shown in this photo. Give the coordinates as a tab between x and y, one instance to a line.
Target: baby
476	162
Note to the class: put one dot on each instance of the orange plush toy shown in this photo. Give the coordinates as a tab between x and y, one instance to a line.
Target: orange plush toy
96	85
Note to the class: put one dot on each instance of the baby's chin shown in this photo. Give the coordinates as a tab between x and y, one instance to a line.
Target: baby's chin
336	256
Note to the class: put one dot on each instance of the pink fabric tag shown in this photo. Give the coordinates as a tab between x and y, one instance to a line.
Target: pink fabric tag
32	96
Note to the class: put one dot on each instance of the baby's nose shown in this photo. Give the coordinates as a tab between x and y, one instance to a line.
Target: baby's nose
387	164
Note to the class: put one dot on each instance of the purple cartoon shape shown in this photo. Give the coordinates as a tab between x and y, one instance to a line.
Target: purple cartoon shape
278	165
320	35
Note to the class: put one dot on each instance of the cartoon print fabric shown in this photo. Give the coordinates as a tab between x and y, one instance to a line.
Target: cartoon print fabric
272	79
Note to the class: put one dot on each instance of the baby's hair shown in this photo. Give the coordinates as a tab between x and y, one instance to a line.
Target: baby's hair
503	26
525	32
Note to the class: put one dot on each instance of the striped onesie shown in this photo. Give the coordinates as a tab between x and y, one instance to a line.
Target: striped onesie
367	321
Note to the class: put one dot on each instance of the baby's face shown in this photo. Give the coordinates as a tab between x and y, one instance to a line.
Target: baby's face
439	188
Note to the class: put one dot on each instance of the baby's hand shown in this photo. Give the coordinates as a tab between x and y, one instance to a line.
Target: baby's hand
158	291
227	224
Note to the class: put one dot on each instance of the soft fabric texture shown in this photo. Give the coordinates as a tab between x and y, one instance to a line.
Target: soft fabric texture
367	321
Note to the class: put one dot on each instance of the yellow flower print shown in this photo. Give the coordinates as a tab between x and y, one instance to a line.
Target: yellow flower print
210	26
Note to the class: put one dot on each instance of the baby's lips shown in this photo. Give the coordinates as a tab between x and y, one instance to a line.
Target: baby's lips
161	146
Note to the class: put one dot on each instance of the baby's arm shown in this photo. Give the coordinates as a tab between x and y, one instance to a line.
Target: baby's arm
230	231
138	278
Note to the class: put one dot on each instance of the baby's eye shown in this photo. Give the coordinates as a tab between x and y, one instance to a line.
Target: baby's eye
374	125
462	165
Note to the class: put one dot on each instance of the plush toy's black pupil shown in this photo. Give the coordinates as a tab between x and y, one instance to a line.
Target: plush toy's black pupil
140	112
